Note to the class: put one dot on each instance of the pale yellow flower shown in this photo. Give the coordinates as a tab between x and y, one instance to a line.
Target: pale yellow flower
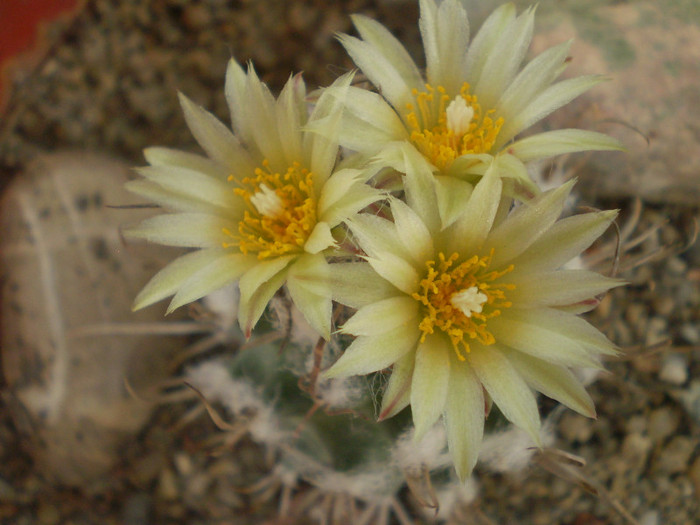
481	308
260	207
470	106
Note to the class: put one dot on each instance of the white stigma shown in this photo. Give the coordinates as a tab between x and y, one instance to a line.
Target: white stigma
267	202
459	115
469	301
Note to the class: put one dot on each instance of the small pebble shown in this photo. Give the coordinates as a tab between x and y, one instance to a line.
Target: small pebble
691	333
657	331
650	517
674	369
675	457
663	422
576	428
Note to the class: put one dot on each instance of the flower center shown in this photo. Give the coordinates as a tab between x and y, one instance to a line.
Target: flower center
443	129
460	299
281	211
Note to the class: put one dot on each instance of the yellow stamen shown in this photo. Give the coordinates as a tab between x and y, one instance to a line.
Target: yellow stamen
444	129
460	300
281	212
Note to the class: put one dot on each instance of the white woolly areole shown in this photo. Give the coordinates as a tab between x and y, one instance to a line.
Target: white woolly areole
223	303
511	450
431	451
239	397
459	116
340	393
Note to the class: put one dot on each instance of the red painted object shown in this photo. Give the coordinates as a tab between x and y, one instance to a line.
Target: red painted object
20	21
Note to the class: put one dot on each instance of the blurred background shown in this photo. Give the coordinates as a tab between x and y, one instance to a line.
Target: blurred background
86	85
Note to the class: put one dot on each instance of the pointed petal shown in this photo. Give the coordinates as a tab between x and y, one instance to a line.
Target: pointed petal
368	354
369	122
464	418
376	235
345	194
452	195
168	280
215	138
548	101
504	60
319	239
516	328
214	276
397	270
158	156
507	388
382	316
526	224
381	39
397	395
235	90
193	230
290	115
357	285
535	76
430	382
549	324
553	381
565	240
559	288
259	109
491	32
257	287
471	229
560	142
412	232
170	200
308	282
445	34
189	182
379	70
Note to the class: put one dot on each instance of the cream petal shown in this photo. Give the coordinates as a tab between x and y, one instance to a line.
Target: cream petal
290	116
559	288
380	38
525	225
535	76
168	199
214	138
235	91
308	282
319	239
368	354
445	33
553	381
464	418
560	142
214	276
382	316
379	70
257	287
452	194
397	270
507	388
259	108
419	186
565	240
412	232
430	382
489	35
193	230
546	102
158	156
355	199
504	60
168	280
376	235
198	185
471	229
369	122
565	325
544	342
397	395
357	285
